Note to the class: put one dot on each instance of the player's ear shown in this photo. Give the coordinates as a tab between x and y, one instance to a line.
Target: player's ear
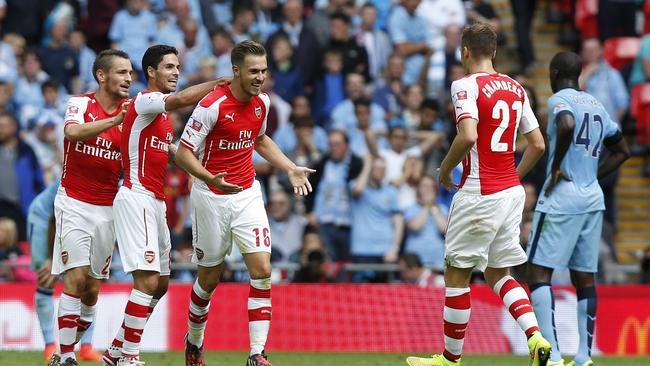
151	72
101	77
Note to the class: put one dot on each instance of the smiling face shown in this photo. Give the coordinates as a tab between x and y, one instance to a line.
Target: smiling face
251	74
165	76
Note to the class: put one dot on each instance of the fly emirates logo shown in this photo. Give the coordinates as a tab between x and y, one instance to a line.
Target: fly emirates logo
101	149
245	142
159	144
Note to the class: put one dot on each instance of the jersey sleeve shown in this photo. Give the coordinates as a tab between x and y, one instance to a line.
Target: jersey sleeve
75	110
528	119
464	93
267	107
558	106
610	127
150	103
198	126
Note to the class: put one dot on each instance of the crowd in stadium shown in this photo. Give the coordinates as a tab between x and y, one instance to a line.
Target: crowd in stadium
359	91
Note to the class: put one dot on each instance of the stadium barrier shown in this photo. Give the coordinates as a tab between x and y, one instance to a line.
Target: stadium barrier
345	317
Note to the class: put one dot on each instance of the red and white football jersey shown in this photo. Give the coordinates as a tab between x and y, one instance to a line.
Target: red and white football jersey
223	130
91	168
500	105
148	131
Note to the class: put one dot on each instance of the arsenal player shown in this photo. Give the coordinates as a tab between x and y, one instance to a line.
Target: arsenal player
83	205
224	129
483	230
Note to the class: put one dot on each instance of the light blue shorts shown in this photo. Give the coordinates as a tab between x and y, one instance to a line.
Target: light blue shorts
566	241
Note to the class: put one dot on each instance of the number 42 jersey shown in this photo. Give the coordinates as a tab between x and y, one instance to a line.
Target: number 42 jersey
501	107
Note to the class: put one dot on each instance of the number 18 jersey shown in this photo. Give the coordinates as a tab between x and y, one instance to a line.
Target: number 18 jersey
592	125
500	106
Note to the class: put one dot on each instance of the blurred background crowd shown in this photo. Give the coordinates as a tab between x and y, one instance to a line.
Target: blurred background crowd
359	90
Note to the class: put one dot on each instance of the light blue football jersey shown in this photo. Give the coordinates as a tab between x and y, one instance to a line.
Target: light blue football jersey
592	125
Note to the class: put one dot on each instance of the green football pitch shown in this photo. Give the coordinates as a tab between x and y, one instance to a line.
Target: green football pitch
315	359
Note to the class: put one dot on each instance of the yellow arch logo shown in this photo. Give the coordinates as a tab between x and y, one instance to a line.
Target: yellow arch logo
637	329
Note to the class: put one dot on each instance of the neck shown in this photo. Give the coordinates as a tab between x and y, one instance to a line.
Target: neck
483	65
238	92
152	86
109	102
567	84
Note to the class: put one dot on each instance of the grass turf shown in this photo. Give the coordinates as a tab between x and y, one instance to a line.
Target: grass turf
311	358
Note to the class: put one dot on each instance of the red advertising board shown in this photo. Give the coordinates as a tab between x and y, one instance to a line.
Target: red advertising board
344	317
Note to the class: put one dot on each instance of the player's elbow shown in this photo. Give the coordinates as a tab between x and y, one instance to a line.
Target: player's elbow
538	146
72	133
469	137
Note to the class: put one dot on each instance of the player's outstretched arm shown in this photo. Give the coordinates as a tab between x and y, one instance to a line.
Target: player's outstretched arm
186	159
565	125
189	96
84	131
463	142
298	175
619	152
534	151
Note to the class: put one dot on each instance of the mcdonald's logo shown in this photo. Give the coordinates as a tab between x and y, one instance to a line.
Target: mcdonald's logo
639	330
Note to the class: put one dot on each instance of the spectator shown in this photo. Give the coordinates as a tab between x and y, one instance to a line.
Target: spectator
287	76
616	18
426	223
329	90
641	67
192	51
6	104
301	137
8	247
602	81
408	31
8	65
216	13
364	133
59	61
439	14
133	30
243	18
523	11
222	44
286	227
102	13
27	93
375	205
407	183
21	179
644	275
26	19
411	117
343	116
85	58
355	58
17	43
280	109
479	11
304	42
375	41
413	271
267	18
329	207
319	21
312	261
388	90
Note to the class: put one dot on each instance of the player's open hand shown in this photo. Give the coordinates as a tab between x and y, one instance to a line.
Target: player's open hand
45	277
120	116
556	176
445	179
299	178
218	180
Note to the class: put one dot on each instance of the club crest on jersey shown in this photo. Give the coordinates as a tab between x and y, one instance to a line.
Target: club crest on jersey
64	257
199	253
258	111
73	109
149	256
461	95
196	125
559	107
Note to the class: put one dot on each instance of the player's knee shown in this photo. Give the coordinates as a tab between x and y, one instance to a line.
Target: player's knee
146	282
75	280
261	271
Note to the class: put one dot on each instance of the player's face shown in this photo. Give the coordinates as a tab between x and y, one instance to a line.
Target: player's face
167	73
118	79
252	74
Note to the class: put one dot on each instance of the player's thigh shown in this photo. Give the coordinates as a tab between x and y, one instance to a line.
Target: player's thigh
585	254
552	239
249	224
102	243
136	229
470	231
211	235
73	234
506	250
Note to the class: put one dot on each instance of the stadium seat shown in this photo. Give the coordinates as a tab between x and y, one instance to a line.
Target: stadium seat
640	110
587	18
619	51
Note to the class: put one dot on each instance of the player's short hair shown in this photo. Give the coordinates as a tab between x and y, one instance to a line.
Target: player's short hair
103	60
480	39
246	48
411	260
154	55
567	64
